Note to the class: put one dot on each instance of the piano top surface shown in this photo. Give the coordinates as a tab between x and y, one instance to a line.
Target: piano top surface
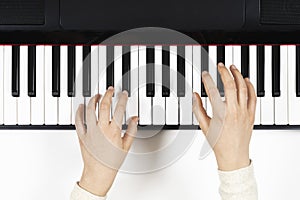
93	21
205	22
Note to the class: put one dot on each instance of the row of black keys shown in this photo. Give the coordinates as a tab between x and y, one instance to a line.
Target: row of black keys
150	70
86	72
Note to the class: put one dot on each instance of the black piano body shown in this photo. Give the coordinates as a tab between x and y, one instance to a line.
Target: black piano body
90	22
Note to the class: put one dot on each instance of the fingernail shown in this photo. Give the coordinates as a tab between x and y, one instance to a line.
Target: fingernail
247	79
111	88
233	67
220	64
204	73
194	97
125	92
137	119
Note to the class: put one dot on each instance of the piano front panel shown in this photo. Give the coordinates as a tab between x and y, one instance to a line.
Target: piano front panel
37	91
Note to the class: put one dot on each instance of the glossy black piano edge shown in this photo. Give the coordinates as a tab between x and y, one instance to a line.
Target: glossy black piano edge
94	37
141	127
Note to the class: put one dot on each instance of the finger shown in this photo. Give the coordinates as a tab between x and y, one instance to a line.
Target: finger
211	89
130	133
91	109
99	106
120	109
242	91
104	110
200	113
251	99
229	85
79	124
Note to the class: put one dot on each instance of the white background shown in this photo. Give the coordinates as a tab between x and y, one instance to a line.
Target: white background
44	165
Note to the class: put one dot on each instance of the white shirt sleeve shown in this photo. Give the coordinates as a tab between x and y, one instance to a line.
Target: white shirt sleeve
79	193
238	184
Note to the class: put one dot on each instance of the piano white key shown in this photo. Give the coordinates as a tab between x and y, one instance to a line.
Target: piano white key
237	57
37	103
1	84
172	100
253	79
197	75
158	101
24	99
51	105
228	56
102	69
267	102
132	104
78	99
144	101
10	102
94	72
212	52
294	102
281	103
186	113
117	77
65	104
204	99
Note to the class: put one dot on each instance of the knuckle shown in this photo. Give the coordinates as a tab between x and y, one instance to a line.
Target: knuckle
213	91
252	120
243	89
230	84
122	107
234	110
251	117
194	108
104	106
90	108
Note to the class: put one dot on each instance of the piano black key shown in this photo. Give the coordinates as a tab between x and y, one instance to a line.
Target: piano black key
56	71
165	71
204	67
126	69
180	71
71	71
15	71
260	71
86	78
150	91
110	66
220	58
276	71
32	71
245	61
298	71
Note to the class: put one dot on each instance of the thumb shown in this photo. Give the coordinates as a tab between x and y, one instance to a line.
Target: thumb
200	113
130	133
80	128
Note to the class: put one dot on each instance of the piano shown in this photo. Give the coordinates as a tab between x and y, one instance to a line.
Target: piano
49	47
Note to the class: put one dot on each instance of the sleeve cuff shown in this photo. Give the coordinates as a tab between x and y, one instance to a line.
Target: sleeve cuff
238	184
237	176
79	193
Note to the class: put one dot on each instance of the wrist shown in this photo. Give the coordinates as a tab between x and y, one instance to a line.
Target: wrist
233	164
96	183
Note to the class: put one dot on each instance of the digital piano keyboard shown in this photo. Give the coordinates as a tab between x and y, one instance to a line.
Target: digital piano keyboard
44	43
